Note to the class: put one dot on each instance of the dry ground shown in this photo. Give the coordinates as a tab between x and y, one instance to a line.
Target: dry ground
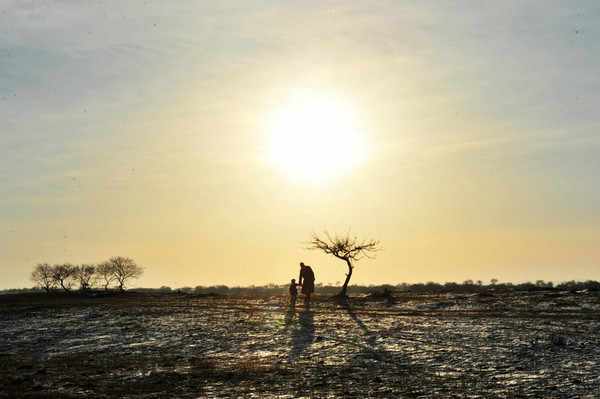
169	345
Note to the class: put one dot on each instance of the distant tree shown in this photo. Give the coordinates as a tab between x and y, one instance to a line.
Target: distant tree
432	286
222	288
105	274
125	269
84	275
63	275
526	286
346	248
402	286
42	276
494	281
468	282
199	289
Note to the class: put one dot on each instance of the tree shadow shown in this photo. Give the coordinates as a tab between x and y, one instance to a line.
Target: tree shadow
372	348
303	331
357	320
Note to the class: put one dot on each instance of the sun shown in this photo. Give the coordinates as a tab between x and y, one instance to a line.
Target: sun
315	136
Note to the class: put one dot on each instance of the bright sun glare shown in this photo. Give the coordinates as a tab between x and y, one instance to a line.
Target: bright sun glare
315	136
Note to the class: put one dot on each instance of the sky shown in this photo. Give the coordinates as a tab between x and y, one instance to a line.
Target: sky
145	129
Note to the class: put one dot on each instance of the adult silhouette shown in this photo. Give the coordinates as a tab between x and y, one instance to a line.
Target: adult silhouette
307	281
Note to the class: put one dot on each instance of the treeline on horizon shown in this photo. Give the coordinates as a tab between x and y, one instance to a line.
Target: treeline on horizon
113	273
468	286
117	271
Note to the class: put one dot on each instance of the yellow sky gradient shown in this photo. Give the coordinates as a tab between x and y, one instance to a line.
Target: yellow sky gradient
473	170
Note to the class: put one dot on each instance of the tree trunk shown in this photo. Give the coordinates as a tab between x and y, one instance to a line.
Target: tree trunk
64	287
343	293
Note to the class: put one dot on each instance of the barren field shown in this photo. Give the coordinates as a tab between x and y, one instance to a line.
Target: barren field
544	344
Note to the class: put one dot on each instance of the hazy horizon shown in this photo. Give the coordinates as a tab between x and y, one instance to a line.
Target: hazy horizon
209	141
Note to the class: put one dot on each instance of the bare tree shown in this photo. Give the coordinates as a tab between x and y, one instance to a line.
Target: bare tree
346	248
124	269
105	273
63	275
84	275
42	276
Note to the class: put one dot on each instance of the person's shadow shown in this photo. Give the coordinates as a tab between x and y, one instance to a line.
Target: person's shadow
303	332
289	317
